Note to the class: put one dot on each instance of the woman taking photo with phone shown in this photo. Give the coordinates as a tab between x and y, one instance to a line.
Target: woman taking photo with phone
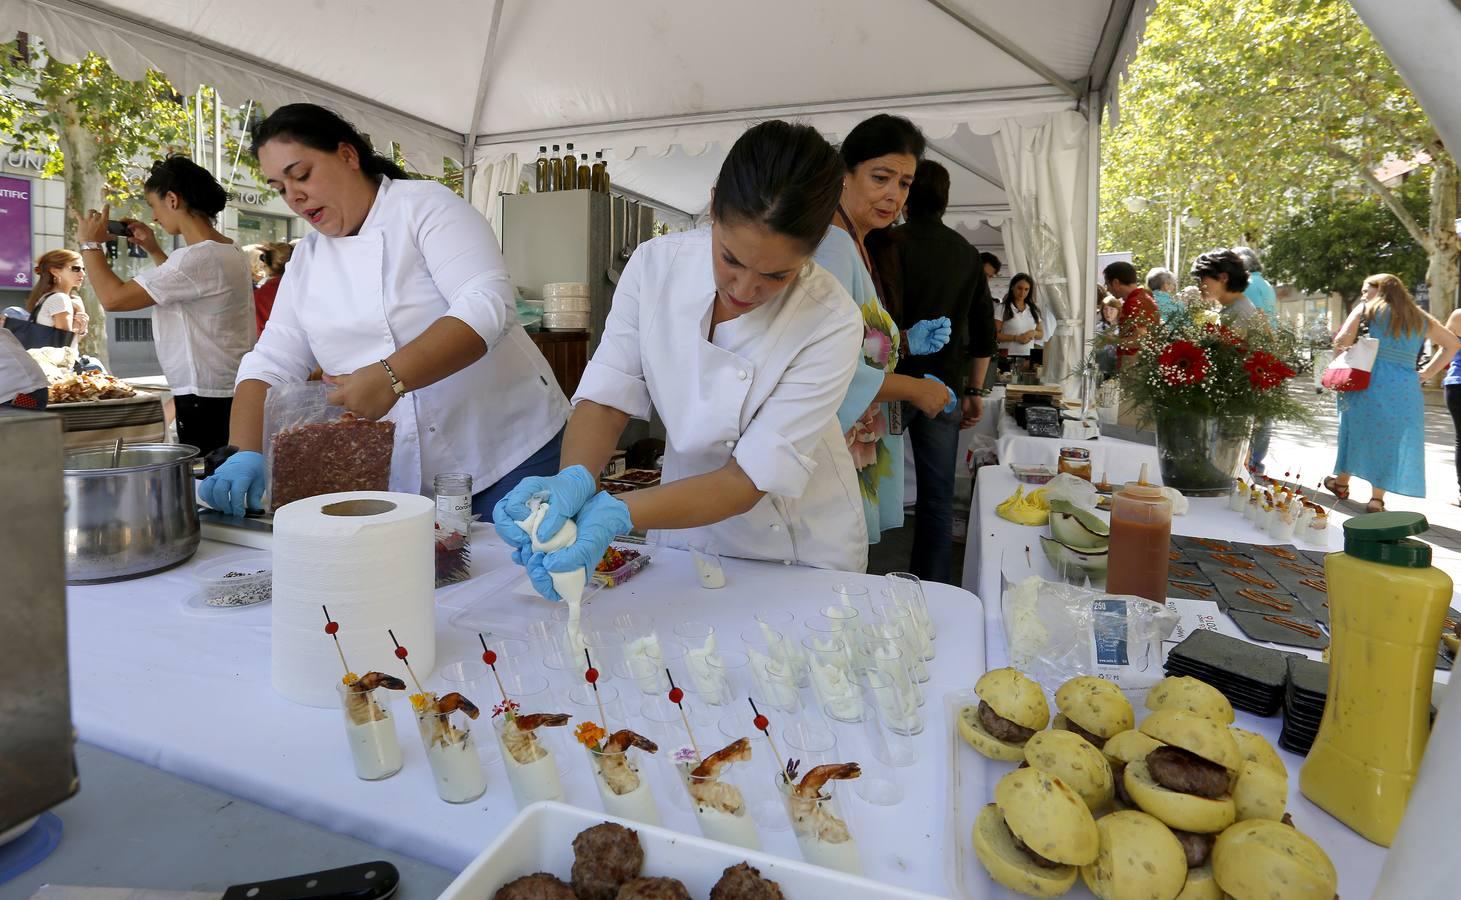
202	322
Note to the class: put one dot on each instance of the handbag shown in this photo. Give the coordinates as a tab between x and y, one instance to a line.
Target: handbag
1350	370
35	336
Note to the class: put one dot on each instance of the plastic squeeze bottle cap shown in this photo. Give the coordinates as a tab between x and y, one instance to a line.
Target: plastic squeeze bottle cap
1386	538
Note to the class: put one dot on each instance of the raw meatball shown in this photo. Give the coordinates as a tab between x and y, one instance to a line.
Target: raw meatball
742	882
539	886
604	857
653	889
1177	770
1001	728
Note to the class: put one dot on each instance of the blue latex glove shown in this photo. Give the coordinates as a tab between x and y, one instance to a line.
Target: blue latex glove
929	336
567	492
237	485
601	520
542	581
953	401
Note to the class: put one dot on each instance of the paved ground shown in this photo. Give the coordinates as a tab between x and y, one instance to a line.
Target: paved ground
1307	452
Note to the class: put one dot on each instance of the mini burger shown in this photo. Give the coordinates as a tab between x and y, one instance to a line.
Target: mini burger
1139	859
1035	834
1122	749
1261	858
1190	695
1256	748
1260	792
1011	709
1187	782
1093	708
1071	758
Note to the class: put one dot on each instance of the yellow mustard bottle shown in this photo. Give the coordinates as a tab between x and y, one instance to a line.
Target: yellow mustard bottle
1386	607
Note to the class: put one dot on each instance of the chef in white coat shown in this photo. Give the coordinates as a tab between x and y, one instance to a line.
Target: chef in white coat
745	348
402	299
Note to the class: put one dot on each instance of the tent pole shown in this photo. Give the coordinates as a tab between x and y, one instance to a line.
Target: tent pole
1093	204
469	143
1020	54
217	135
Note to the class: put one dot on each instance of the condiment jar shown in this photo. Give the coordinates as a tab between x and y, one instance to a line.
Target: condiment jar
1386	607
1075	461
1141	538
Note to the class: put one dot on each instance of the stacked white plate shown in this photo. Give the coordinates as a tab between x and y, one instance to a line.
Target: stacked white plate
566	306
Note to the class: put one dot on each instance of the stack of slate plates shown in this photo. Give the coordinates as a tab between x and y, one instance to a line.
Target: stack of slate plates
1251	677
1303	704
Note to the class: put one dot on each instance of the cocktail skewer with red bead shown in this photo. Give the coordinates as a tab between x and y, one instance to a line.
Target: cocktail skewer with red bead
591	675
763	725
490	658
332	628
677	697
401	655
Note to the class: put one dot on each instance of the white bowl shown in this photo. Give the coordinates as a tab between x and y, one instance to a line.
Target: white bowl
540	839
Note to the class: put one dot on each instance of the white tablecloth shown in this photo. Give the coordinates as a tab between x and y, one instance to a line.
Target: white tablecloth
1109	456
191	695
1357	860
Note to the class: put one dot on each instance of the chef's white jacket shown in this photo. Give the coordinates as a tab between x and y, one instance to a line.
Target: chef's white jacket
765	391
346	302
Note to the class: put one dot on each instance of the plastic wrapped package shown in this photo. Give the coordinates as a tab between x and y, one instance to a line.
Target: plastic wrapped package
1071	489
1058	631
313	448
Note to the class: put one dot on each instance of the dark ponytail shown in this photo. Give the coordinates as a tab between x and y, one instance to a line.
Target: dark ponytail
199	191
784	176
1009	298
323	130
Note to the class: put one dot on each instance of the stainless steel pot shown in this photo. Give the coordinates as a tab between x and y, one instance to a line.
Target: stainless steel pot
129	514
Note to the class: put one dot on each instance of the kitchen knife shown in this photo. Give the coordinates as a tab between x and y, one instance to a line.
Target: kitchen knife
366	881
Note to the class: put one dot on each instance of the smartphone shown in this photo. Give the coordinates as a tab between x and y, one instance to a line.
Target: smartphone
120	229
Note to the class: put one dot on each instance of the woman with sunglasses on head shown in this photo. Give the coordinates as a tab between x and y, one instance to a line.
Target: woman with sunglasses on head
202	319
401	297
744	347
53	299
880	156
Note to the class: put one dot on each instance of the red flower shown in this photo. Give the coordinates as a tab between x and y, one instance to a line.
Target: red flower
1266	371
1182	363
1226	335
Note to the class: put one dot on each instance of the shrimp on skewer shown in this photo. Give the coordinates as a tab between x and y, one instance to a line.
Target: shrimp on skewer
359	704
518	737
809	817
613	765
443	731
705	787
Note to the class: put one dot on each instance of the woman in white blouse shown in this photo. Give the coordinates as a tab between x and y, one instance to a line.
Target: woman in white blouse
745	348
1018	325
53	300
400	296
202	322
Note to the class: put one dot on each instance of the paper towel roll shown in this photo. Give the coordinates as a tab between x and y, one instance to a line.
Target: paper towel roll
367	556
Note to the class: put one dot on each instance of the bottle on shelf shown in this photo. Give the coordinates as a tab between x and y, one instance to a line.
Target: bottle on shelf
570	170
585	175
540	171
1387	604
555	171
1141	536
599	177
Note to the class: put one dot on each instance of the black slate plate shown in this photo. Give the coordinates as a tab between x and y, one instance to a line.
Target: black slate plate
1259	629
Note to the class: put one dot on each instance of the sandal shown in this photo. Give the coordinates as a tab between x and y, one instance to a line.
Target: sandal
1332	485
1375	505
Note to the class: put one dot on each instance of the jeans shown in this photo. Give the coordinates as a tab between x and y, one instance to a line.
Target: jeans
1258	446
543	462
935	453
1453	403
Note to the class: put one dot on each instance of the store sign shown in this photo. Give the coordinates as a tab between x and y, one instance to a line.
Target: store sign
15	249
252	197
16	158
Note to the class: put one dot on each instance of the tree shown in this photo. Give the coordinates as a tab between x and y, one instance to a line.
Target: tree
1250	110
95	125
1332	245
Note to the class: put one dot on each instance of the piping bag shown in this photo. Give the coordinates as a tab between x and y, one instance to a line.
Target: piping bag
569	585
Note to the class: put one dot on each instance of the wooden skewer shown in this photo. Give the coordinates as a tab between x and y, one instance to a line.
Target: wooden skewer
1291	625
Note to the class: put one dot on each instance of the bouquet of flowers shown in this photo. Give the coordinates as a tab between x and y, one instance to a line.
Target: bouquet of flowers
1187	365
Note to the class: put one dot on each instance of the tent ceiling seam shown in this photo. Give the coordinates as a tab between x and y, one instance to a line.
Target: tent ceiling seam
879	104
1007	46
154	32
972	168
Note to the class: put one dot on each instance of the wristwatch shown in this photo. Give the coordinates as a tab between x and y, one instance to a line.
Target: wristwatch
976	392
93	245
396	384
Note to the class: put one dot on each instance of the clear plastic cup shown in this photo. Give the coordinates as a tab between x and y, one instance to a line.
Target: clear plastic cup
452	753
821	826
709	570
622	779
908	591
370	730
783	623
765	806
853	596
910	638
895	634
773	683
589	705
898	705
718	800
831	674
473	679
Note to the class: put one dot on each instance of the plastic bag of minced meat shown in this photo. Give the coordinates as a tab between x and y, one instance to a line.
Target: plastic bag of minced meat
313	448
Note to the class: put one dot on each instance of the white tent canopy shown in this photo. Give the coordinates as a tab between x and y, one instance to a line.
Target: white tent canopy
1020	85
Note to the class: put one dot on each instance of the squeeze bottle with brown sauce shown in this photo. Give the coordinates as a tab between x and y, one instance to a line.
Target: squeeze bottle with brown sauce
1141	538
1386	606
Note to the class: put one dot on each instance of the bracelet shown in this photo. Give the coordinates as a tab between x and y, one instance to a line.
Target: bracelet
93	245
396	384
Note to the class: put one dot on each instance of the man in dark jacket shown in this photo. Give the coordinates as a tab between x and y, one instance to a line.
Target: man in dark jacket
942	276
